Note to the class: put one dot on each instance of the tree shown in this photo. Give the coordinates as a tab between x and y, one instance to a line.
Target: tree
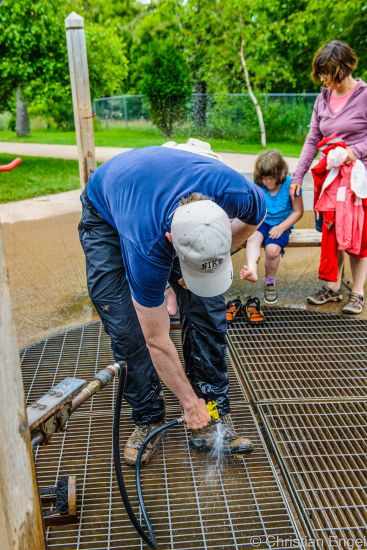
33	57
26	46
251	94
200	24
166	83
160	69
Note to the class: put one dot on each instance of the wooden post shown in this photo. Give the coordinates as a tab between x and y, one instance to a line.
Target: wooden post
79	77
20	515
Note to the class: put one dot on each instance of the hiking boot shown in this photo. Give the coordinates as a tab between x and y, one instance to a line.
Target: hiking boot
355	304
324	295
136	440
270	293
206	439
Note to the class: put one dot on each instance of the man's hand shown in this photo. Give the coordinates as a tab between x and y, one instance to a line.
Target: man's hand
196	415
276	232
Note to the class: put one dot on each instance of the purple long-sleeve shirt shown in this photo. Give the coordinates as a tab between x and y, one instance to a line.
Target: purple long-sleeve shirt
350	123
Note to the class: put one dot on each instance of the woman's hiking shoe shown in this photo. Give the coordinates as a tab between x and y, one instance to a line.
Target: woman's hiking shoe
270	293
355	304
136	440
324	295
206	439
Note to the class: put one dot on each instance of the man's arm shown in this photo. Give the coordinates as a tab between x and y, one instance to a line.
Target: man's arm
155	325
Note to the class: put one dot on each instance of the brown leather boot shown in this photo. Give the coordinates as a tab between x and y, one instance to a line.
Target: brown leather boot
136	440
233	444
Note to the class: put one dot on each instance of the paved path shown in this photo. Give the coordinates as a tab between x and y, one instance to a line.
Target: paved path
240	162
69	202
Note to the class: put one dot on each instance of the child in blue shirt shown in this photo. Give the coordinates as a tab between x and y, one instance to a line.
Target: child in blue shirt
283	211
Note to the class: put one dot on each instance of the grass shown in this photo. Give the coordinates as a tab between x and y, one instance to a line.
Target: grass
44	176
36	177
145	136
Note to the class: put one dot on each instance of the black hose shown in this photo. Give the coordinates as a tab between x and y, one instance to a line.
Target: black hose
117	462
150	537
139	490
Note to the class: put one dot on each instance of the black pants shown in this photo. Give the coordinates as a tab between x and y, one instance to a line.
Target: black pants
204	324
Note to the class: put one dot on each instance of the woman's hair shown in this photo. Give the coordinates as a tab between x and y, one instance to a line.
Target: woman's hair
336	60
270	164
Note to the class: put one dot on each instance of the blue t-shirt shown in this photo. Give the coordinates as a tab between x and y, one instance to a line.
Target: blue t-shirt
137	193
278	206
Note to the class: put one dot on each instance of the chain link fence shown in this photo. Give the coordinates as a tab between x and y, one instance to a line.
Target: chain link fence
227	116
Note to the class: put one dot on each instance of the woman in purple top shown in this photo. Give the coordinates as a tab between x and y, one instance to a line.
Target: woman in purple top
340	108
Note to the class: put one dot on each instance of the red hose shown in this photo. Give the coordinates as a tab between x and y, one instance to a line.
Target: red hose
9	167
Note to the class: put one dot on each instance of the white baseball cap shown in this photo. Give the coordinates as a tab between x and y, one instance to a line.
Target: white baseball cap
202	238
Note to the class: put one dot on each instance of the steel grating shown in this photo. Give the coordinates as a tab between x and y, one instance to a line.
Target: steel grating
322	448
81	352
301	355
189	509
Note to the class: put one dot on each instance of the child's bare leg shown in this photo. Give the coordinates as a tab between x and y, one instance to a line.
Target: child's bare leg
272	260
171	302
253	247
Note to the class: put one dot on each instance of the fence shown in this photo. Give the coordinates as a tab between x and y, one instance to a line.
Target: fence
227	116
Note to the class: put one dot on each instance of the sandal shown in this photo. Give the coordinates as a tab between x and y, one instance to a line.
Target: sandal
233	309
252	310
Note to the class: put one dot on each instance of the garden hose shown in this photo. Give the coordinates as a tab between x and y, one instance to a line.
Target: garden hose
139	490
117	461
148	537
214	416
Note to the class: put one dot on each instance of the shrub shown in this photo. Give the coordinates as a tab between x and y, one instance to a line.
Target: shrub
166	83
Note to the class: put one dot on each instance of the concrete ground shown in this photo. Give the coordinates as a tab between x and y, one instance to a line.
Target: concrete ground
46	265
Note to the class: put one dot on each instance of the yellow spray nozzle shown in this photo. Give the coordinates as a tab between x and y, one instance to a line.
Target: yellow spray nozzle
213	410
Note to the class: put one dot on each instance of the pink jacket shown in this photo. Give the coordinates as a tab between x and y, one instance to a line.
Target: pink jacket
337	195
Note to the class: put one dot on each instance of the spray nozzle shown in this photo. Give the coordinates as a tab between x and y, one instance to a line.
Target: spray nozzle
213	410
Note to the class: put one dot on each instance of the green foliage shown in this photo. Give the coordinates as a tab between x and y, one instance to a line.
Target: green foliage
160	69
234	117
166	84
28	50
164	46
33	55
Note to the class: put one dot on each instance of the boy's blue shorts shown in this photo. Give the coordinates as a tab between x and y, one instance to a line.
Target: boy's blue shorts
282	241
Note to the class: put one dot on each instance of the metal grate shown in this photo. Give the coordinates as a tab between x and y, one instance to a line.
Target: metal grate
300	355
322	449
189	509
81	352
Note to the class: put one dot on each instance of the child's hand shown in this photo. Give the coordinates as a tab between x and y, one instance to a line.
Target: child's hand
248	274
276	232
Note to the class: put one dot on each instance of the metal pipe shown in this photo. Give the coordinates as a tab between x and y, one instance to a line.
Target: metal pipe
103	377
